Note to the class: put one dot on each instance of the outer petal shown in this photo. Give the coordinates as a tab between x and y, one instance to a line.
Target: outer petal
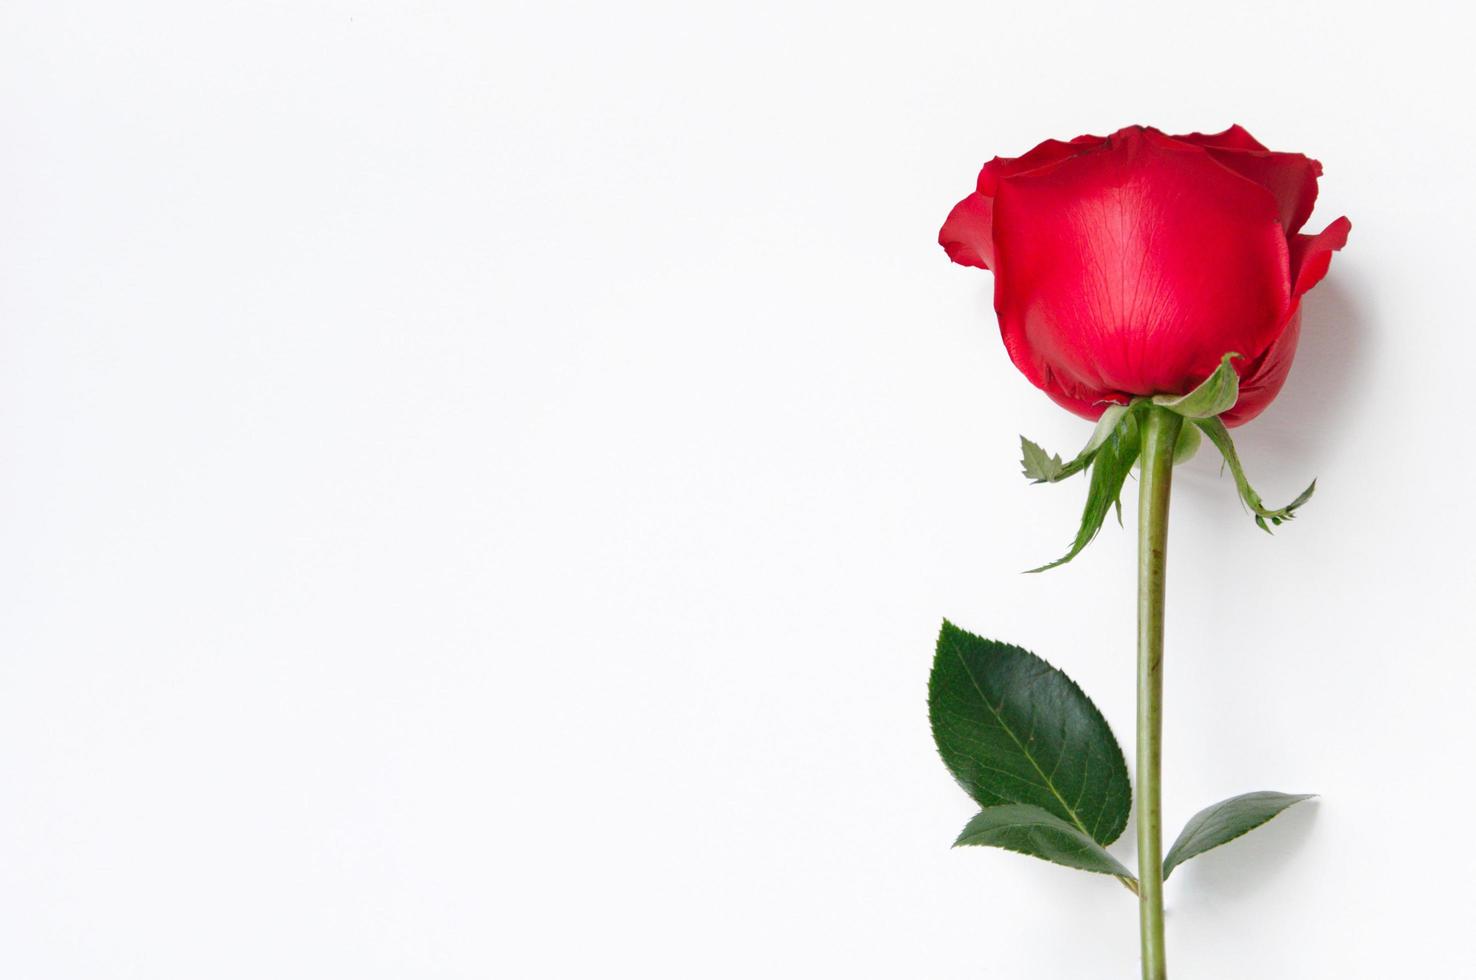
1133	270
1311	255
1043	155
1234	138
967	235
1290	177
1263	380
1086	409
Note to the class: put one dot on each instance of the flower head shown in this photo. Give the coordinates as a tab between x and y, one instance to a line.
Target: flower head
1129	265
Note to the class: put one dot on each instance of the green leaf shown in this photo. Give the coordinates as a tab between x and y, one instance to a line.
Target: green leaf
1013	729
1225	821
1220	436
1043	467
1111	463
1217	394
1030	830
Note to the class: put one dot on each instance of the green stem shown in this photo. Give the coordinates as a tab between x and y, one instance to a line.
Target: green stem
1160	433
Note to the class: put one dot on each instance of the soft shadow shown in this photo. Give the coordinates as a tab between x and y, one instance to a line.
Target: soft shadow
1301	427
1246	865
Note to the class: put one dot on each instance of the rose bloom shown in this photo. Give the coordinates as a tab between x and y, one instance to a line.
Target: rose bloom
1130	265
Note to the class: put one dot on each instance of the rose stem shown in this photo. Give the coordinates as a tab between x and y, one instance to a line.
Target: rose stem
1160	432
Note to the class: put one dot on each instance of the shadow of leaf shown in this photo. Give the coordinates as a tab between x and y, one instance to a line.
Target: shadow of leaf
1241	868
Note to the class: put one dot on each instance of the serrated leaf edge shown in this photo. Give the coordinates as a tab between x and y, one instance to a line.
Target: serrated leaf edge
950	629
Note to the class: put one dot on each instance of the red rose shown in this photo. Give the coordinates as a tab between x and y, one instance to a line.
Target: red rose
1130	265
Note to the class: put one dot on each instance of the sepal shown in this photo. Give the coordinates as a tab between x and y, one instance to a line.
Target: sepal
1111	462
1219	393
1187	445
1220	436
1043	467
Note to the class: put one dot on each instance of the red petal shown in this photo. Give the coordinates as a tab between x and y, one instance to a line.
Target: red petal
1133	270
1310	257
1087	410
1312	254
966	233
1234	138
1290	177
1263	380
1043	155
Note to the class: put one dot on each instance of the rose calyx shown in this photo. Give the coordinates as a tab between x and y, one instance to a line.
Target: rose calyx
1113	450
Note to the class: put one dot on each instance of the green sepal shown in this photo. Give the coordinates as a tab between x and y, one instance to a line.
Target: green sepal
1220	436
1217	394
1185	449
1043	467
1225	821
1111	462
1012	729
1188	444
1030	830
1040	466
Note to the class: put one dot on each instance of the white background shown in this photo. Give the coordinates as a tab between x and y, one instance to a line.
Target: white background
479	484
